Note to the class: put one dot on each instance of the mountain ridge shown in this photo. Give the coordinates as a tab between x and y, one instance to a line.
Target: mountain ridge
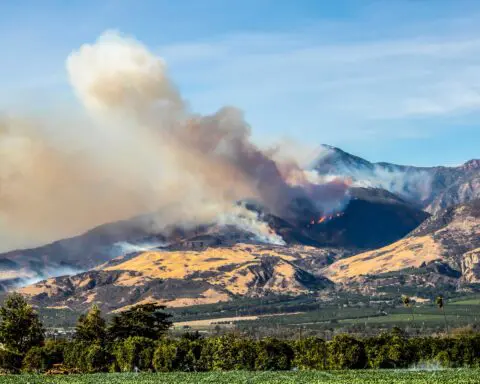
432	188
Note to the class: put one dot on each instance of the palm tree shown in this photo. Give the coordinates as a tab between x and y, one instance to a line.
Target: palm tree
408	304
441	305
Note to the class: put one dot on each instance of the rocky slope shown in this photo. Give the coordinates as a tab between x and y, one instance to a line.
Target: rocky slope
445	246
432	188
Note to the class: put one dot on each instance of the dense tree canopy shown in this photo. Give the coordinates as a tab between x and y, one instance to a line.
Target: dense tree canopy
91	327
20	327
144	320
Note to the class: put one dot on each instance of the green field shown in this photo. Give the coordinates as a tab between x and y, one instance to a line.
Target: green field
466	302
463	376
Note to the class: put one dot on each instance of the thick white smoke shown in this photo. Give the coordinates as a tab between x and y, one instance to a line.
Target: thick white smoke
250	221
140	150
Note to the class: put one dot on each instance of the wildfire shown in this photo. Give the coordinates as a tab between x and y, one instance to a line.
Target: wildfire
325	218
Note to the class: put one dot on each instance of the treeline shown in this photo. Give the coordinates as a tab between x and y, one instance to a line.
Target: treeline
137	340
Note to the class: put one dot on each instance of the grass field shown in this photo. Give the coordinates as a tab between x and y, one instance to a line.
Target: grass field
461	376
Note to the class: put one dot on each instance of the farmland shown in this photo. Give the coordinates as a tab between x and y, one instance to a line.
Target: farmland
463	376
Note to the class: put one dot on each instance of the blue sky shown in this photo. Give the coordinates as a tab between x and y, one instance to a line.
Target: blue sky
387	80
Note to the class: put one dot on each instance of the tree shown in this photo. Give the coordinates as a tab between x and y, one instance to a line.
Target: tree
165	356
134	353
441	305
228	352
310	353
85	357
273	355
20	327
408	303
35	360
389	350
144	320
346	352
91	327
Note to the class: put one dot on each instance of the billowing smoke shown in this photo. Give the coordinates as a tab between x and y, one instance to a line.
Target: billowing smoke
140	149
250	221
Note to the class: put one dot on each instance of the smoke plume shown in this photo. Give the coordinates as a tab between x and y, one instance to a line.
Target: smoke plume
139	149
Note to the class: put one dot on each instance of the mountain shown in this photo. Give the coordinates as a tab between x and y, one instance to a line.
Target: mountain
71	255
432	188
443	250
443	253
371	219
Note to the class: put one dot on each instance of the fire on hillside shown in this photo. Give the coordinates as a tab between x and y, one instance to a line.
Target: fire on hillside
324	218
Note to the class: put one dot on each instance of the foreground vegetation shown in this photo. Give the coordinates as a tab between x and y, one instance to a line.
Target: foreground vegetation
136	340
463	376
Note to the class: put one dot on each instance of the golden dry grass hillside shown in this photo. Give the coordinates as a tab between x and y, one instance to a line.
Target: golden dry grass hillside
449	237
187	277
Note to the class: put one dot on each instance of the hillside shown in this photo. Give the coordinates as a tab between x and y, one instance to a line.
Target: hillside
445	247
186	277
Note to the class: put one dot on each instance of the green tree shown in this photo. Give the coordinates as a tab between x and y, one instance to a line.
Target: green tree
10	361
54	351
408	303
35	360
85	357
389	350
134	353
310	353
182	354
441	305
91	327
20	327
144	320
346	352
228	352
273	355
165	356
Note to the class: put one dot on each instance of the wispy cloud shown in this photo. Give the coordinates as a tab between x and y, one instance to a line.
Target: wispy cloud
384	70
339	84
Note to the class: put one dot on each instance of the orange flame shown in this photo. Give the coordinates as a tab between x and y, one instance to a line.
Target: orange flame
323	219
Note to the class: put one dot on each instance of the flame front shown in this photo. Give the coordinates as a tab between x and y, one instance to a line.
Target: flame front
325	218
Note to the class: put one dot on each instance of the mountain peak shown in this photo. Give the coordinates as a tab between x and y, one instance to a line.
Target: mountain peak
471	165
332	158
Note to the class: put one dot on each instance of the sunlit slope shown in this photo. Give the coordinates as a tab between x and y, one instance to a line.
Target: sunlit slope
187	277
406	253
450	239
